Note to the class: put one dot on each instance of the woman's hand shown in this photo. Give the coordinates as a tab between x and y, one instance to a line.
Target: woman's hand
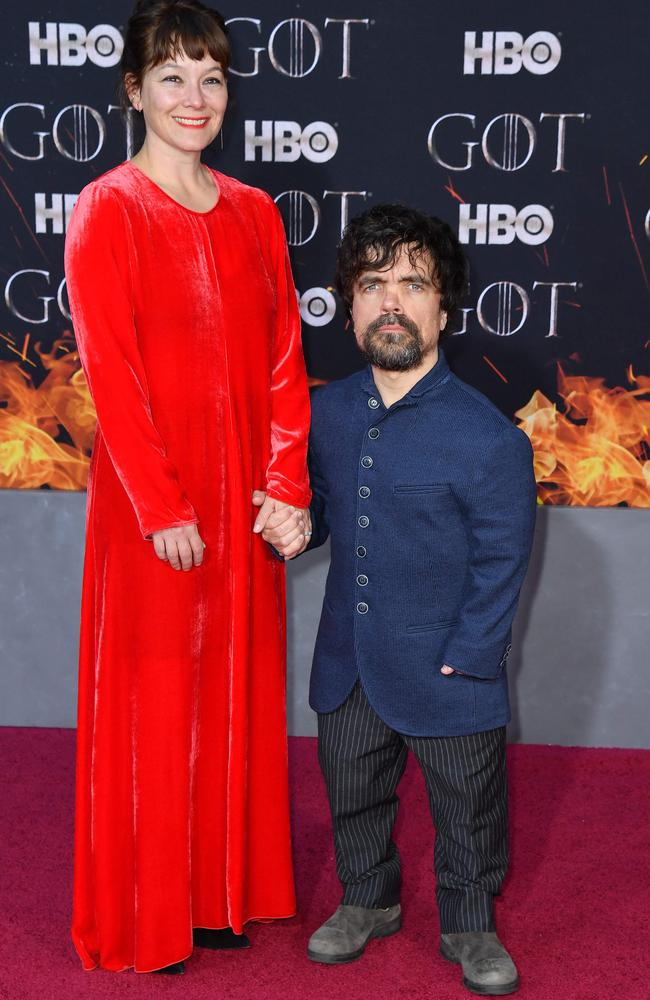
287	532
181	547
284	526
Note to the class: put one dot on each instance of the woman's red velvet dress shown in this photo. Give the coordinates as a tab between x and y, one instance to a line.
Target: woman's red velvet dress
189	334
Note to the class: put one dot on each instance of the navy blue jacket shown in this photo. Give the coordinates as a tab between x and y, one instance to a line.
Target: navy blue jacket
430	505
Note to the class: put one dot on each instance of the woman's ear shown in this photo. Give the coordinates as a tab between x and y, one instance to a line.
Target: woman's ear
133	91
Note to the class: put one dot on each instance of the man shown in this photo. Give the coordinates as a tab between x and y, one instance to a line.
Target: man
428	493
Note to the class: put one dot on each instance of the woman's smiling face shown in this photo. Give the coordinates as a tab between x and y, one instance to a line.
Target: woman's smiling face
183	102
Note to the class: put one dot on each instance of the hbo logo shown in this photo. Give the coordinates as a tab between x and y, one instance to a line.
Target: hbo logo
505	52
317	306
500	224
286	142
70	44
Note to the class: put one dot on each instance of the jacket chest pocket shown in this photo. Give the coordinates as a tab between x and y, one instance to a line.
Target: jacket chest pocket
409	489
424	501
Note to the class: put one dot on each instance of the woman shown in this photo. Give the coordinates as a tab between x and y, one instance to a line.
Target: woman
186	319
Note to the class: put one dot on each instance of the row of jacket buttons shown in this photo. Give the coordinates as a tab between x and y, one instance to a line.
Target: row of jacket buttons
363	521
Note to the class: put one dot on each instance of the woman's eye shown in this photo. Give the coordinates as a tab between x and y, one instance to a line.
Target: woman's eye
171	79
212	80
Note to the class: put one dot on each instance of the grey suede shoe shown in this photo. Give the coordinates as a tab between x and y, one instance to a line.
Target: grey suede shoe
345	935
487	967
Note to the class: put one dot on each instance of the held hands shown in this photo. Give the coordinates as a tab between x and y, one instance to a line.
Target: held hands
286	528
181	547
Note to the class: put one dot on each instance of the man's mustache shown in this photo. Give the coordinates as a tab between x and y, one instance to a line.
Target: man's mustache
392	320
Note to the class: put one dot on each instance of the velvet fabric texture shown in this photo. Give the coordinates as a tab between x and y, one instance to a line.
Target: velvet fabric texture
189	334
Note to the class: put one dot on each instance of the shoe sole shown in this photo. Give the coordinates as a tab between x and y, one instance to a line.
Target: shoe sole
386	930
478	988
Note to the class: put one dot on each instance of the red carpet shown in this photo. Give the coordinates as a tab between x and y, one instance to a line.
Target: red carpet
575	909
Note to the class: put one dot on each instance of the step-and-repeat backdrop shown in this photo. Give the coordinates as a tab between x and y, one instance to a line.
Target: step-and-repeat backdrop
525	127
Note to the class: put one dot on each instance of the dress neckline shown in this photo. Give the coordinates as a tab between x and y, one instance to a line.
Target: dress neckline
192	211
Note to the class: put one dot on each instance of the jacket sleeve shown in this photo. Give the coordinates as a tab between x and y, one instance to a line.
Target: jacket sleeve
100	288
286	474
500	510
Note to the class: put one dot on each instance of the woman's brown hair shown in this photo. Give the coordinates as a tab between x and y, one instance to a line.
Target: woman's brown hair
159	30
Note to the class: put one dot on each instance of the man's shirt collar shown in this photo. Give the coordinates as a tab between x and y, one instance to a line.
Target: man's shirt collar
434	377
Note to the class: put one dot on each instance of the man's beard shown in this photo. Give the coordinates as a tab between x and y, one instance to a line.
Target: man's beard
390	350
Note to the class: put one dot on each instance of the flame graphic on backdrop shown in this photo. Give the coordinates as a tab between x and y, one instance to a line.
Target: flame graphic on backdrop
595	452
35	423
592	450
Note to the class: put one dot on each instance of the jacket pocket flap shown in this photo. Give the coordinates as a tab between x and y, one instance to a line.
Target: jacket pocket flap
421	488
433	626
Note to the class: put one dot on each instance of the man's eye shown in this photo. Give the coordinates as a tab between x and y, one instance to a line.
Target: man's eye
415	286
370	288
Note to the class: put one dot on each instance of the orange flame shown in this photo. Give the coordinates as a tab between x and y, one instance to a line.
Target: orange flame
591	451
594	452
34	422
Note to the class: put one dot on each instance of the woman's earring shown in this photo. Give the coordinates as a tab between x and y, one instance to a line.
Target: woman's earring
221	137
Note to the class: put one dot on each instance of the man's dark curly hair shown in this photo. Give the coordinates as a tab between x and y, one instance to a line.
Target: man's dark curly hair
373	240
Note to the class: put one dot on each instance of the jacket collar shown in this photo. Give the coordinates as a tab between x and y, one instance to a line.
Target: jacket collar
438	374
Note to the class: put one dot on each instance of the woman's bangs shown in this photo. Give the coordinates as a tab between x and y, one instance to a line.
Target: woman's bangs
192	36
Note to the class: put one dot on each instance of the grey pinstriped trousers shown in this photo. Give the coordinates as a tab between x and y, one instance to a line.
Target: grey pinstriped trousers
362	761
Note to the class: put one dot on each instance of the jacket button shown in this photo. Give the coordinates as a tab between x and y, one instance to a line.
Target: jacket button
364	492
362	608
361	551
363	521
373	403
362	580
366	462
373	433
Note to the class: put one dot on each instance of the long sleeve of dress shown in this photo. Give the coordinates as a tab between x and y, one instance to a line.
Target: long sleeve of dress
318	507
286	474
100	288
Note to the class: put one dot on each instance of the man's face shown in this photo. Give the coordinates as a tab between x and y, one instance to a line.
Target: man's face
396	313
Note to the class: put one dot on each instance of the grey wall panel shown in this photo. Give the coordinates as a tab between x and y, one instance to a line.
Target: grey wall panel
305	588
41	541
579	665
